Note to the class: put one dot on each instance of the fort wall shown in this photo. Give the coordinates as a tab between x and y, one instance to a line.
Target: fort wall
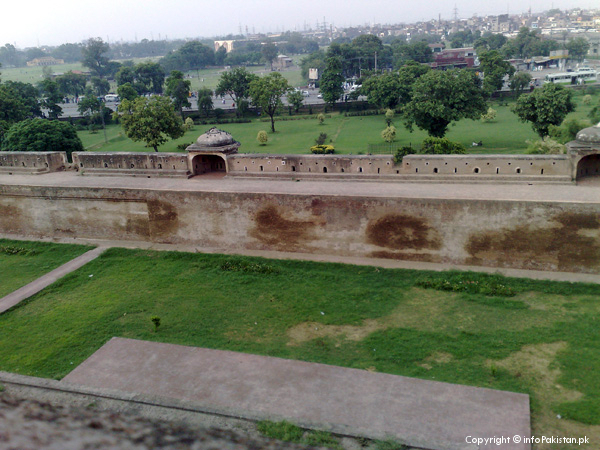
133	164
32	162
559	236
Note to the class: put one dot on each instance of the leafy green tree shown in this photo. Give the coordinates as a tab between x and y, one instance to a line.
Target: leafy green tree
51	97
40	135
408	74
544	107
262	137
94	57
12	109
127	92
520	82
27	94
383	90
578	48
442	97
236	83
72	83
331	84
100	86
149	78
192	55
568	130
266	93
179	91
389	134
126	74
150	120
315	60
494	69
417	51
220	56
296	99
269	53
205	101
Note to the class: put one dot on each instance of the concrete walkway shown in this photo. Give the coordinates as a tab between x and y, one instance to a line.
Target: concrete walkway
418	413
46	280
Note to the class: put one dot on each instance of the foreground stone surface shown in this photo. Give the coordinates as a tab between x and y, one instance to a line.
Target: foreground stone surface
419	413
28	424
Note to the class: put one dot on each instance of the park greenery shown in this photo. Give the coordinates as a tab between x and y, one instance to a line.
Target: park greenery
536	337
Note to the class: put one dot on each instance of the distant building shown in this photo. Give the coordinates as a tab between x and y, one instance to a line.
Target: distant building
283	62
45	61
228	45
454	58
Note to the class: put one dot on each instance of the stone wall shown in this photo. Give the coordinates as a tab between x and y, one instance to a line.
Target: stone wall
518	234
132	164
32	162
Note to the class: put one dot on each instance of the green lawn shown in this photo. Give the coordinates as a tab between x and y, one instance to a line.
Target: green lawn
535	337
21	262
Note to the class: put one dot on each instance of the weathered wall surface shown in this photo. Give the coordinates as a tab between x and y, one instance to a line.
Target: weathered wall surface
140	164
518	234
32	162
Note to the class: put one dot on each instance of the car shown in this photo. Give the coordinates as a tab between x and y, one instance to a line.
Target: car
306	93
320	96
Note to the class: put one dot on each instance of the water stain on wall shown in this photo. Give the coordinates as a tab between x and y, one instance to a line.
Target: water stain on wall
402	232
164	220
573	244
272	228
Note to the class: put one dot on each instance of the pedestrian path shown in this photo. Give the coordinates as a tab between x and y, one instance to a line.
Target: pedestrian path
44	281
419	413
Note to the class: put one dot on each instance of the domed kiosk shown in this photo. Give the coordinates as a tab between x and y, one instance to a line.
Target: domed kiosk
209	152
584	152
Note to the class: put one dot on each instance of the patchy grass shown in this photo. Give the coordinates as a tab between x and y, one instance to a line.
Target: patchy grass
543	342
286	431
21	262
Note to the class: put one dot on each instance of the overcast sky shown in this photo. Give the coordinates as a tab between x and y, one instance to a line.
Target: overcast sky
27	23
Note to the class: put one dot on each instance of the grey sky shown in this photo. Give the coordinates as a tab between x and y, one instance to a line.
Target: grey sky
27	23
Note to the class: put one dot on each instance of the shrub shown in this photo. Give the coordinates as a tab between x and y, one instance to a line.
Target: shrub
402	152
321	139
262	137
489	116
568	130
188	124
156	321
322	149
442	146
389	116
389	134
184	145
321	118
587	99
546	146
490	285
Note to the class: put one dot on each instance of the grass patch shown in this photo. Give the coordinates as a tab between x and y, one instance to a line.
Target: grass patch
472	283
543	340
21	262
286	431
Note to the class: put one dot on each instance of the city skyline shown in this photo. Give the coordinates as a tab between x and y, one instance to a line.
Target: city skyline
67	21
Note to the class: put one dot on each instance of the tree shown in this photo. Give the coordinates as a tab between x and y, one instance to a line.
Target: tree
40	135
269	53
494	69
179	91
389	134
442	97
296	99
94	58
382	90
544	107
71	83
578	48
262	137
266	93
205	101
149	78
127	92
51	97
331	84
418	51
192	55
519	82
151	120
236	84
12	109
27	94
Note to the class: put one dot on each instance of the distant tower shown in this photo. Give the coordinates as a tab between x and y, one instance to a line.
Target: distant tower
455	13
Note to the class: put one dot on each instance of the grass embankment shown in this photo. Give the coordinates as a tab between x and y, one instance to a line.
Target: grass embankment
527	336
21	262
296	134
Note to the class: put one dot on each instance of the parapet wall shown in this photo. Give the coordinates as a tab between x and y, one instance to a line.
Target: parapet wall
132	164
32	162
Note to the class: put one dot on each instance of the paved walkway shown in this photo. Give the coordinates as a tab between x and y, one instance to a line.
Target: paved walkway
46	280
419	413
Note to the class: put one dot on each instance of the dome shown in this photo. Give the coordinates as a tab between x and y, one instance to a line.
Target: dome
589	135
215	140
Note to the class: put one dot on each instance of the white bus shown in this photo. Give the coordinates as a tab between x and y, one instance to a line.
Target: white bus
111	98
581	76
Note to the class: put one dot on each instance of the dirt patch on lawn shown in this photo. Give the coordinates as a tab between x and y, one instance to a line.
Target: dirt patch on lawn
538	363
436	358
